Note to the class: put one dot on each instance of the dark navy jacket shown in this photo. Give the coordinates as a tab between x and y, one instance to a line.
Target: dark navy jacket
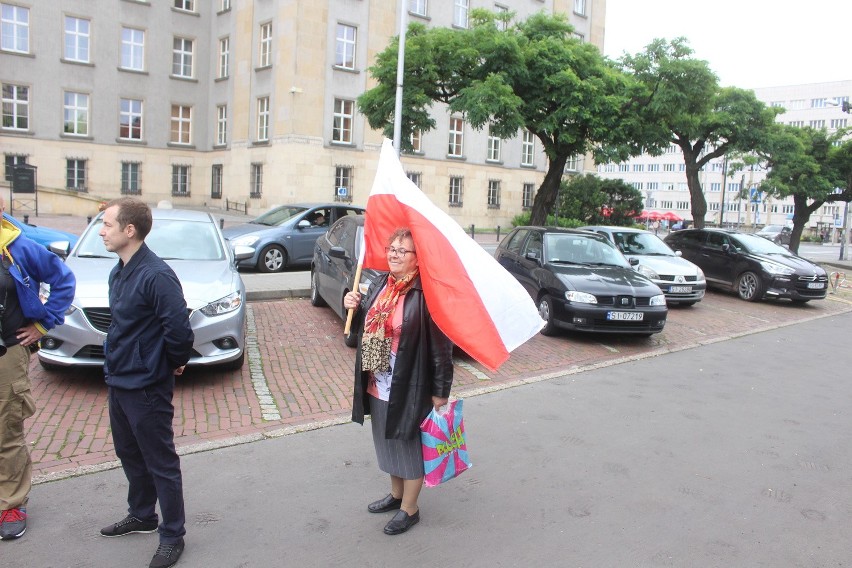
149	336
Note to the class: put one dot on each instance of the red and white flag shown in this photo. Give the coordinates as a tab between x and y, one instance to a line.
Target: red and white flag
480	306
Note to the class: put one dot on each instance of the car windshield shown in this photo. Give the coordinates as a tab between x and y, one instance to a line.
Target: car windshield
279	216
759	245
170	239
641	243
568	248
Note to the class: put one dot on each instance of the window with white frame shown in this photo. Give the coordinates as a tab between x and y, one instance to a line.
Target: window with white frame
343	181
225	5
75	112
187	5
341	129
217	181
181	124
572	163
682	186
817	124
818	103
527	195
638	167
131	180
263	119
16	107
797	104
75	174
672	149
653	185
713	207
653	167
221	125
636	184
76	39
224	57
838	123
344	48
130	120
416	141
418	7
180	180
681	167
580	7
623	168
456	187
265	48
456	141
182	57
415	177
528	149
502	24
734	187
461	11
797	123
668	186
668	167
12	160
494	148
256	187
666	205
493	194
132	49
14	28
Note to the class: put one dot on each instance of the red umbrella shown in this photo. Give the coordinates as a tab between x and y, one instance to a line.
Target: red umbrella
670	216
650	215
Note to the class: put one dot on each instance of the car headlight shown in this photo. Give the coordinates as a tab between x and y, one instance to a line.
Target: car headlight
699	274
247	241
580	297
658	300
222	306
775	268
647	272
71	309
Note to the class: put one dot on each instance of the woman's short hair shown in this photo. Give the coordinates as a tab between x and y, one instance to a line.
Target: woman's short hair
400	233
134	212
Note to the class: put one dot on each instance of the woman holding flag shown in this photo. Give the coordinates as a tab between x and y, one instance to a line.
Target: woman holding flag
403	368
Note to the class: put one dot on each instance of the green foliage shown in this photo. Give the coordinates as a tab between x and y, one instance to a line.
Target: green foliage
523	220
599	201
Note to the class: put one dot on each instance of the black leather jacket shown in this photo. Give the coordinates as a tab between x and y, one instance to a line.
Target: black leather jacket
423	367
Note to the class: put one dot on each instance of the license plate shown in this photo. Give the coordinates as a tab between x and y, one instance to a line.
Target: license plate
625	316
680	289
816	285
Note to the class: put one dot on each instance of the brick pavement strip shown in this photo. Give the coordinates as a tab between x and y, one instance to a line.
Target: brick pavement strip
308	371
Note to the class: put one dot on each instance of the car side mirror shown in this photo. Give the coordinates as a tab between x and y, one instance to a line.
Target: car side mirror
303	224
60	248
338	252
533	254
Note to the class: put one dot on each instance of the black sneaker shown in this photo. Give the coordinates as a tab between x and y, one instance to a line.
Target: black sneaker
13	523
129	525
167	555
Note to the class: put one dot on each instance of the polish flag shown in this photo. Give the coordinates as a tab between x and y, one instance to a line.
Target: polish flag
476	303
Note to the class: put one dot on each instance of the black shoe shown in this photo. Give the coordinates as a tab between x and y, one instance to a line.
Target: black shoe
401	522
385	504
167	555
129	525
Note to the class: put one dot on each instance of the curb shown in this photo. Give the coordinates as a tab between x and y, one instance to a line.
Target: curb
266	295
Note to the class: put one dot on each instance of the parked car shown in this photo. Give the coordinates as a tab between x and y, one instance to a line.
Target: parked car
42	235
753	267
192	244
580	281
334	264
778	234
285	236
680	280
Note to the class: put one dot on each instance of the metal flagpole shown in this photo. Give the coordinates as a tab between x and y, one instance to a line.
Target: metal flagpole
400	71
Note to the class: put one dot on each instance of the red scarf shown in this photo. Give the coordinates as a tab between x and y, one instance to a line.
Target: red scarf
378	325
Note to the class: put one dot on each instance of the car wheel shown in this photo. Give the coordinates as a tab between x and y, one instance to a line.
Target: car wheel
273	258
749	287
316	299
234	365
545	310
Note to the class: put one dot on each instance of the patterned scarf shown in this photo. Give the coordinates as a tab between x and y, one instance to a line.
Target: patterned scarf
378	326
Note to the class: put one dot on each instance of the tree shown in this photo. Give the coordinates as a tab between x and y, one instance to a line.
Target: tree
685	106
598	201
534	75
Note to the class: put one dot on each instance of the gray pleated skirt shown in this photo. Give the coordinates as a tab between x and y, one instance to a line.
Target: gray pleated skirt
400	458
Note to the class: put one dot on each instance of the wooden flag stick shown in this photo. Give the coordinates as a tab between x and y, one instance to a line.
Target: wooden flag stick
351	311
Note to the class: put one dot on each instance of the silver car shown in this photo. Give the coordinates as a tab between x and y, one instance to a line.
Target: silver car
680	280
192	244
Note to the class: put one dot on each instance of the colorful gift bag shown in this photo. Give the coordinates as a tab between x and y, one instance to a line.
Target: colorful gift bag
444	444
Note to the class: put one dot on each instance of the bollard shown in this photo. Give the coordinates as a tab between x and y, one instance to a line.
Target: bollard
26	219
221	222
472	233
498	233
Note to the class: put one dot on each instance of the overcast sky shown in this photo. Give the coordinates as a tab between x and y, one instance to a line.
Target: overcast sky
748	43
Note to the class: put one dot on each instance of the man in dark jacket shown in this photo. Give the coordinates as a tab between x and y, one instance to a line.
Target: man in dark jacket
149	342
24	318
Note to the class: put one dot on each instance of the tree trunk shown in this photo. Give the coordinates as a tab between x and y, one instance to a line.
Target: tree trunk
545	197
696	193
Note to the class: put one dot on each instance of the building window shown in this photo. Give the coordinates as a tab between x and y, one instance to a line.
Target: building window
180	181
265	53
224	56
653	167
456	142
638	167
131	183
527	196
132	49
668	167
130	120
417	141
653	185
343	183
76	114
216	182
527	148
494	148
817	124
418	7
16	107
817	103
76	39
221	125
344	51
14	28
501	24
75	174
493	194
256	180
455	191
341	130
225	5
580	7
461	9
263	119
838	123
181	124
187	5
182	58
12	160
415	177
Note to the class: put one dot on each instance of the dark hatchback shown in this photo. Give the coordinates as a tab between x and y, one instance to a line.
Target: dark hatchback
580	281
753	267
333	267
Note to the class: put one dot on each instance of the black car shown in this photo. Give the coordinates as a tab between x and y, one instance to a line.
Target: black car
580	281
333	267
753	267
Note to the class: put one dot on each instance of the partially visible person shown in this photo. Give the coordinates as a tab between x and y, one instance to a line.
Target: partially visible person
24	319
403	369
149	342
319	220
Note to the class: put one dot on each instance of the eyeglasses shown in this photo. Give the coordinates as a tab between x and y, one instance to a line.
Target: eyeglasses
401	252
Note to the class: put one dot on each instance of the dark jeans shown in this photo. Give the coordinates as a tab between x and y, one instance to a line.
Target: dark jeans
141	422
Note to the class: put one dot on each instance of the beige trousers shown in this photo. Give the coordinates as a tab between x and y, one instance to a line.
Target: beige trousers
16	405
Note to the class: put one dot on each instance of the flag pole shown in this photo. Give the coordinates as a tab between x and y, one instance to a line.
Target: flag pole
356	284
400	73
